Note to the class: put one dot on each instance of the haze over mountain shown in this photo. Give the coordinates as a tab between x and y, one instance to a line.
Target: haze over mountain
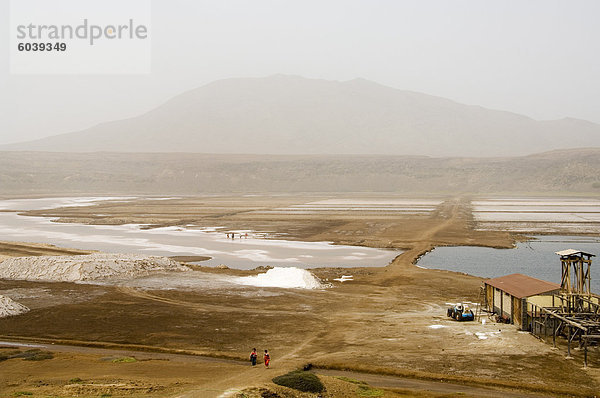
294	115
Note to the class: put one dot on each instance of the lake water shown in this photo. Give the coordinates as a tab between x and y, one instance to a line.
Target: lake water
535	258
171	241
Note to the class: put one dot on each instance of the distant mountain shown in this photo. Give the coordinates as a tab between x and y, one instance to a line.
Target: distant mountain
293	115
46	173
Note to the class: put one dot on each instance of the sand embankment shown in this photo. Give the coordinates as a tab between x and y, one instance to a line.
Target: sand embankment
9	307
93	267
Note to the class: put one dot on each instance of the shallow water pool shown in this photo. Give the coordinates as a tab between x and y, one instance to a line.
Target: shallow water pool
535	258
178	241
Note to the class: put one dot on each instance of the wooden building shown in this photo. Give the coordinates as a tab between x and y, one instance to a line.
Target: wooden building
508	296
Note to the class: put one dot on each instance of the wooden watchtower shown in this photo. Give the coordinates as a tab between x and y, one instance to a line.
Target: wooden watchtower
575	276
575	281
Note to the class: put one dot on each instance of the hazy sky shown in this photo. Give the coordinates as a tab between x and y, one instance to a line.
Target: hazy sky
539	58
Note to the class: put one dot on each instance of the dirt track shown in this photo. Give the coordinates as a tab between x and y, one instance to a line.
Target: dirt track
381	320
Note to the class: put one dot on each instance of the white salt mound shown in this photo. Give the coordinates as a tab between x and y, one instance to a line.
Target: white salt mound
8	307
92	267
286	277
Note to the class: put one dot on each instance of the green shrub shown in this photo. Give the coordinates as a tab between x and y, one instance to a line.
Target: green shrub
300	380
34	355
365	390
124	360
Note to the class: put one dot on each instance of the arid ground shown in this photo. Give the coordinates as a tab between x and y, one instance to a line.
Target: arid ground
376	328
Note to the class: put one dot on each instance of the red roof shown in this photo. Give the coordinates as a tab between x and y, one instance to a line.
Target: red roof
520	285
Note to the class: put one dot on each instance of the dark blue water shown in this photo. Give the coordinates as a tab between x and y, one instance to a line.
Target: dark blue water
535	258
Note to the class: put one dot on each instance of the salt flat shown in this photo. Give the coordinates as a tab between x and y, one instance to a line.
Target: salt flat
541	215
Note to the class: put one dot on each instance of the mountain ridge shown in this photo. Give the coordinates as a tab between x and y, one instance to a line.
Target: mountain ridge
284	114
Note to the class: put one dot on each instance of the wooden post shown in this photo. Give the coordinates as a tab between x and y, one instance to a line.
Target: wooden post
569	342
585	352
545	326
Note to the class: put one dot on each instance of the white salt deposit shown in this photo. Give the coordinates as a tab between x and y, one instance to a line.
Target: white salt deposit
285	277
8	307
93	267
436	326
486	335
344	278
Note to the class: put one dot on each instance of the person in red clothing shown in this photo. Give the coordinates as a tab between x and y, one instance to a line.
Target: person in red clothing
267	358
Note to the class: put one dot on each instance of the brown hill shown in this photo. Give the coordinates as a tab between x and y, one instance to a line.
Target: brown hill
293	115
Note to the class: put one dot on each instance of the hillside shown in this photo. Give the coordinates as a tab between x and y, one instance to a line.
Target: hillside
44	173
293	115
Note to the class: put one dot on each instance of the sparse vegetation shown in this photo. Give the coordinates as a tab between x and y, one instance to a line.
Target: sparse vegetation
350	380
364	389
23	393
300	380
29	355
36	355
124	360
75	380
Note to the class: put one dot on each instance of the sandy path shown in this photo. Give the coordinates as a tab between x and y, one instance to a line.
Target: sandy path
424	240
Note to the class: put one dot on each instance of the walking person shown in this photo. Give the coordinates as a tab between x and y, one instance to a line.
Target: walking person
253	356
267	358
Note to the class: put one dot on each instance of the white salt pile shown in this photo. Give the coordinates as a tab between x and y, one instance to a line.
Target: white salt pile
8	307
286	277
93	267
